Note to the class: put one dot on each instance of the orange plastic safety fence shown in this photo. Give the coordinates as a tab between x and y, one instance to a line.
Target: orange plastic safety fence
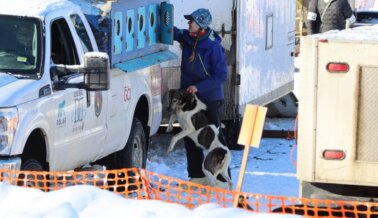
141	184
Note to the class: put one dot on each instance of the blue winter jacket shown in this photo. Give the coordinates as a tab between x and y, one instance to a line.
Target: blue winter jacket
208	71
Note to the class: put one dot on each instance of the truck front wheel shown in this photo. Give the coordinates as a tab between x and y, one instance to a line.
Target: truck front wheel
135	150
32	180
134	154
31	165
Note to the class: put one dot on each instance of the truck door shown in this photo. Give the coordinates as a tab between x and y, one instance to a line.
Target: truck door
70	108
94	130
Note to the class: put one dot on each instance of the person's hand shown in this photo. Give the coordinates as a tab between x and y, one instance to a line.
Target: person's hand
192	89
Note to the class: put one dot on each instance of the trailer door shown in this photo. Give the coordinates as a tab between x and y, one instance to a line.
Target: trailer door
346	113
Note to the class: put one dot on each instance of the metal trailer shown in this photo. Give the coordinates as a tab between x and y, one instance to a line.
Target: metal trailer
338	97
259	38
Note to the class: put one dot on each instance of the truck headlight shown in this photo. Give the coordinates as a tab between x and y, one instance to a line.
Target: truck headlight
8	125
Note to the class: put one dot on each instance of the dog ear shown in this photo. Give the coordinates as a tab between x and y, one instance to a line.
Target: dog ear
172	93
182	92
192	97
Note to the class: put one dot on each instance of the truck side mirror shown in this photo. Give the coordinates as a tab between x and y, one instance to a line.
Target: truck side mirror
96	71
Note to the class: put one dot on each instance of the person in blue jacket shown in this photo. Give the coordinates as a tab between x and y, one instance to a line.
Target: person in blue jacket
203	72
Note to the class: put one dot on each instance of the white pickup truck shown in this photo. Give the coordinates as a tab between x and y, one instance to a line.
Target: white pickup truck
63	103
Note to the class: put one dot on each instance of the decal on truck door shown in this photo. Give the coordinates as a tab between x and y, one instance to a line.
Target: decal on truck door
127	94
79	112
62	119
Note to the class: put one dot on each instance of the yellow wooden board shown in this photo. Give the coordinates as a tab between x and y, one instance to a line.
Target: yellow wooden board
252	125
259	127
250	135
246	129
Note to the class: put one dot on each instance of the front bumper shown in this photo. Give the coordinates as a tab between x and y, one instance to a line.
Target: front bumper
10	163
8	166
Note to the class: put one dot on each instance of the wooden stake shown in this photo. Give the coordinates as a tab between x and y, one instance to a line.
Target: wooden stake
250	135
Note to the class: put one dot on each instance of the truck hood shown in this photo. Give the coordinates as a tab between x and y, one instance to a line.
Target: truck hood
16	91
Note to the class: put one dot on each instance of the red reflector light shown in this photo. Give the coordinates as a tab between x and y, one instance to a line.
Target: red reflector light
323	40
338	67
334	155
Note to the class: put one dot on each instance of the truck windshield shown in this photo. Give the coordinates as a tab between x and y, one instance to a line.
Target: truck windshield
20	45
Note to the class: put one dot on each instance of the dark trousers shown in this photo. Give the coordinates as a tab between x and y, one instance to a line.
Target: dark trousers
194	154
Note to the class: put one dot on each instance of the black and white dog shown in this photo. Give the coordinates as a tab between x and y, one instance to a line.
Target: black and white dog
189	111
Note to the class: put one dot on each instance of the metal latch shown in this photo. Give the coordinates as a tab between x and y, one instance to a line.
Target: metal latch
223	31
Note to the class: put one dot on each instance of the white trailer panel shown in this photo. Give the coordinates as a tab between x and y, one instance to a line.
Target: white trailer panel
265	54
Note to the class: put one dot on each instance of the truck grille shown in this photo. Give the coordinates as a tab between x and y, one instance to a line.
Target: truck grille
367	135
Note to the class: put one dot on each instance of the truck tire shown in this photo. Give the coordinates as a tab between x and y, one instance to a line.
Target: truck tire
31	165
31	181
135	154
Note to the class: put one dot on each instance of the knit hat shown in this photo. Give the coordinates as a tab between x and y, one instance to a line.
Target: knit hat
201	16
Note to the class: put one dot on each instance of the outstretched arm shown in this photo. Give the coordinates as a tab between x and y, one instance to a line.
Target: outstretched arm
177	34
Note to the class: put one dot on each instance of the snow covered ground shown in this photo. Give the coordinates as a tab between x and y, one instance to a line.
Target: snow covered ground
88	201
269	171
270	168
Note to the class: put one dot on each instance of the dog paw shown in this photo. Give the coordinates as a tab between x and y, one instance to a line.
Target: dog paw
170	148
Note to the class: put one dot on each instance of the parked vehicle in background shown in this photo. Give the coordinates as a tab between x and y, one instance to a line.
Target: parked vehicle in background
366	17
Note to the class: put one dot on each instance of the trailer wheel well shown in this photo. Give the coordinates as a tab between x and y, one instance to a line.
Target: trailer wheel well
35	148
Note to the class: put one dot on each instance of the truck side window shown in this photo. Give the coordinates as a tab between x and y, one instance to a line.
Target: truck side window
82	33
63	49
